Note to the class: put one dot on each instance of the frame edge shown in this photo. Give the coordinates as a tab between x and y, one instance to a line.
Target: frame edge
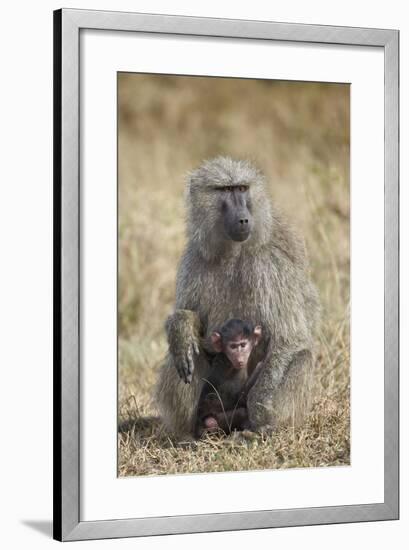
57	390
66	402
391	248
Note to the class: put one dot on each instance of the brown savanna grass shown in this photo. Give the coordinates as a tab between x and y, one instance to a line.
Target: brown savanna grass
298	134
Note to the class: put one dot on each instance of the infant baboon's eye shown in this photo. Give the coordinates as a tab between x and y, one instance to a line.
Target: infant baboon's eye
242	188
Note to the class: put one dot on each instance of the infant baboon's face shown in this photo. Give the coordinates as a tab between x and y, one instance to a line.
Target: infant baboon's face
238	351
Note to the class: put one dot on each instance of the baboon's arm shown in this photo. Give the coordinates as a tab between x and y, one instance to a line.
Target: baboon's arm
183	331
209	405
234	419
281	387
252	378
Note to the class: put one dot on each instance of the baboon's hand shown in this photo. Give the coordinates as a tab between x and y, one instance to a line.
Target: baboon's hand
183	336
184	361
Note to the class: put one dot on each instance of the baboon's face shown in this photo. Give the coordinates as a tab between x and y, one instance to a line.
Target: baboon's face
238	351
227	203
233	202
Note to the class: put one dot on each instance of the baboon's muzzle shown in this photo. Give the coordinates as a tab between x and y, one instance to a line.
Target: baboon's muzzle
238	221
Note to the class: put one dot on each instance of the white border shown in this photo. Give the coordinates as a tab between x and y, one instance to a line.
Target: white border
103	495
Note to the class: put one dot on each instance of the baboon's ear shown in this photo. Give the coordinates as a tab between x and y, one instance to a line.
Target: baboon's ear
257	334
217	343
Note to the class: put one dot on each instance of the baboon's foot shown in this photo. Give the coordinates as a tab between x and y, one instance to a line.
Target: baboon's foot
243	436
267	429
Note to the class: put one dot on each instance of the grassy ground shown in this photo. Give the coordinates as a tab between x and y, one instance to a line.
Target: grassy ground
298	134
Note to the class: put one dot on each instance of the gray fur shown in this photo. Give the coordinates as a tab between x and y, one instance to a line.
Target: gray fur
264	279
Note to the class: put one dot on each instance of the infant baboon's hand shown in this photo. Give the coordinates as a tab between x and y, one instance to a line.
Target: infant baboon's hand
183	336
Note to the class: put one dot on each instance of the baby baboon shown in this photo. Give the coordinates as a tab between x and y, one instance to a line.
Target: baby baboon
223	400
241	261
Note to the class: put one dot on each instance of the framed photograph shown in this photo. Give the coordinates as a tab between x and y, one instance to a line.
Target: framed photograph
226	274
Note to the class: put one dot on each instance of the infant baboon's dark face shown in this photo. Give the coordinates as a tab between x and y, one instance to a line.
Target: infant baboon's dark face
238	351
235	208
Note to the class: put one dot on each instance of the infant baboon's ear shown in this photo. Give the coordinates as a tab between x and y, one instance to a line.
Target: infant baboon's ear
216	340
257	332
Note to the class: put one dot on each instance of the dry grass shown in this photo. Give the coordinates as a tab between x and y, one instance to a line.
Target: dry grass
298	134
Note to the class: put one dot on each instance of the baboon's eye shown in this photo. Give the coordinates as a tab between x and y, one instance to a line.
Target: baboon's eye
230	188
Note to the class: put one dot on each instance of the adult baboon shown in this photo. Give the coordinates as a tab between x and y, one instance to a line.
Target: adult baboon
241	261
